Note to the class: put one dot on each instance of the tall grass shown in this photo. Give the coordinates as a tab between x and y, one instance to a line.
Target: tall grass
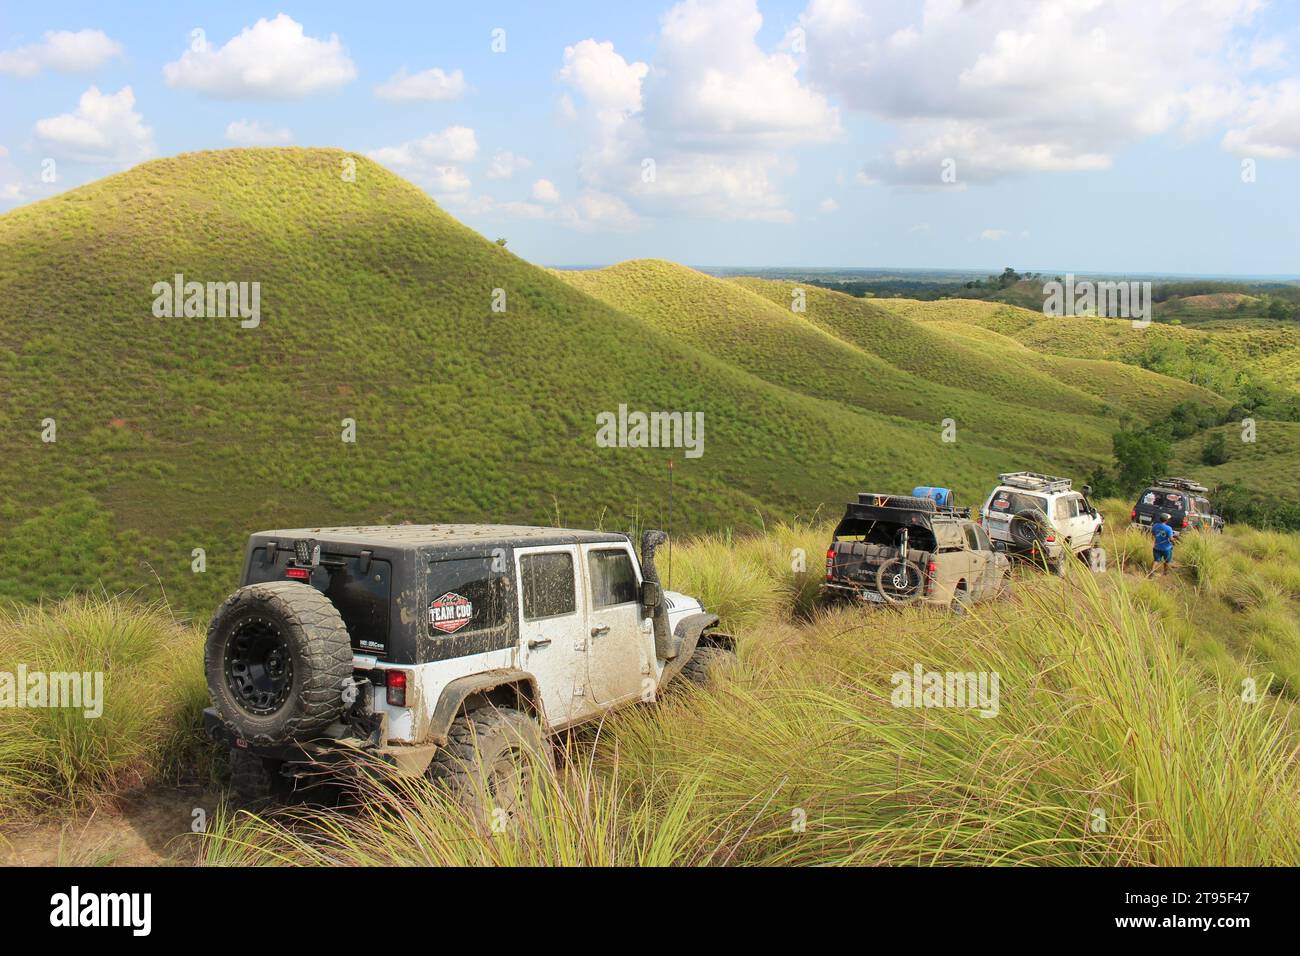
1110	745
153	694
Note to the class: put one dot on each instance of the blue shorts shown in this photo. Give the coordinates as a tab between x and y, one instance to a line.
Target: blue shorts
1163	554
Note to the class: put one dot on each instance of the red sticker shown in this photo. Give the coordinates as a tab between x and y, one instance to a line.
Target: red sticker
450	612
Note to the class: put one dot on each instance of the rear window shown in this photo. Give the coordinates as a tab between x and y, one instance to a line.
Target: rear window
1012	502
466	596
1162	498
613	580
547	580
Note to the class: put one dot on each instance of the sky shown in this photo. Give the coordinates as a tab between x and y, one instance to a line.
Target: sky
1160	136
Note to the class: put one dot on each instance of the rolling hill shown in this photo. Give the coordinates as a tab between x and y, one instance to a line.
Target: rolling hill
172	434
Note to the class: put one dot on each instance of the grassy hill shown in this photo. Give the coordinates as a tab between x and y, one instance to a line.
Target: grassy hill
177	434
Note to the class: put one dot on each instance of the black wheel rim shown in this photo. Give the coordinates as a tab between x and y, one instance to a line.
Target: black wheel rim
259	666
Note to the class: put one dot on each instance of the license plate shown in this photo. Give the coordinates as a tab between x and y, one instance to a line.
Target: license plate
872	596
241	743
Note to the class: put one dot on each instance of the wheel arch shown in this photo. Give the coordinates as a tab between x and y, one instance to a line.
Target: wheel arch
505	687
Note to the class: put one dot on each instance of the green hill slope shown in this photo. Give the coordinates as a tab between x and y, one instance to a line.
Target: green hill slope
911	335
761	334
175	434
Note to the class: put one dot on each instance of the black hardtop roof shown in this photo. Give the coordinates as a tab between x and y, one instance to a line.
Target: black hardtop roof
401	536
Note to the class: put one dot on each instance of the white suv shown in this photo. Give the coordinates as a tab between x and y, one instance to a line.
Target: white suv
1041	516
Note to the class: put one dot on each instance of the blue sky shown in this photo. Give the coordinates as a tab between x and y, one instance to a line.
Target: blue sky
1087	135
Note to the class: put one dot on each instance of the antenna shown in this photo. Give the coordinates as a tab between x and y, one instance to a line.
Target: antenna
670	524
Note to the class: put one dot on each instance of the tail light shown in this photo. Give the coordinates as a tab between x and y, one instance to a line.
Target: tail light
1184	521
298	574
1133	515
396	681
1050	537
830	562
931	570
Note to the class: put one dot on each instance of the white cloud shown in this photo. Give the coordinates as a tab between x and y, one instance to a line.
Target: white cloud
608	82
431	161
828	206
272	58
104	128
505	164
699	131
1021	86
993	235
713	84
431	84
62	51
455	144
597	210
256	133
1269	126
544	191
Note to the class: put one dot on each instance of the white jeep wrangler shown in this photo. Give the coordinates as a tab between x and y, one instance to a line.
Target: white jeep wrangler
439	649
1043	518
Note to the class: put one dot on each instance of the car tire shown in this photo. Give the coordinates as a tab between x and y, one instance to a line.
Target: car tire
706	662
960	601
277	658
256	781
488	761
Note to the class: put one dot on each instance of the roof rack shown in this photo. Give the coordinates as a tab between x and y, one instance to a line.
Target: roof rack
1182	484
1034	481
901	502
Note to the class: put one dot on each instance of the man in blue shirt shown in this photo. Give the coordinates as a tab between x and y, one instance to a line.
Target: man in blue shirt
1162	540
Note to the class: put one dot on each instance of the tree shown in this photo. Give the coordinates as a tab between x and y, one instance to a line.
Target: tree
1140	456
1215	451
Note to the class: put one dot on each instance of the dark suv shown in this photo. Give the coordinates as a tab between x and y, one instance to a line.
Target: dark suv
1182	499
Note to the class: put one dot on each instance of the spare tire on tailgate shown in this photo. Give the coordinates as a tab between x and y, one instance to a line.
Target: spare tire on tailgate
277	658
1029	527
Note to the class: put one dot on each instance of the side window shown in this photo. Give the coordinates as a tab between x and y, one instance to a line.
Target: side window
1061	509
982	537
465	596
613	579
972	538
547	581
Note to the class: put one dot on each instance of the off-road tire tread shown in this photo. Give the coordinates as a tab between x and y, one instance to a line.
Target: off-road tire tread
698	670
475	734
324	660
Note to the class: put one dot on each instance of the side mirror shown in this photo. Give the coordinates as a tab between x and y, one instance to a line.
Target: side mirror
1087	489
651	596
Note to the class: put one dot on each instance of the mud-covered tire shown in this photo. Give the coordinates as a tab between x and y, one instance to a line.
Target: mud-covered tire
311	653
960	601
486	762
706	662
256	781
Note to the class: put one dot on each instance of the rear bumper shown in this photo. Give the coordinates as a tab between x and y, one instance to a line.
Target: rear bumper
338	753
860	594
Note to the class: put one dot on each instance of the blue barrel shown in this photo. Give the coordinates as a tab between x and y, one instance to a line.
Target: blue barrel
940	496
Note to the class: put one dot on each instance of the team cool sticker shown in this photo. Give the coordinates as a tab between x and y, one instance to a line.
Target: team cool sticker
450	612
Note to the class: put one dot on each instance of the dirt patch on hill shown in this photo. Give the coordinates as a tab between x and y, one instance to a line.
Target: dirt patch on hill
1216	300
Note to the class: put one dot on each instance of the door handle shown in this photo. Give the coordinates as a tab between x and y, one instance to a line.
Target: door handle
599	630
538	642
